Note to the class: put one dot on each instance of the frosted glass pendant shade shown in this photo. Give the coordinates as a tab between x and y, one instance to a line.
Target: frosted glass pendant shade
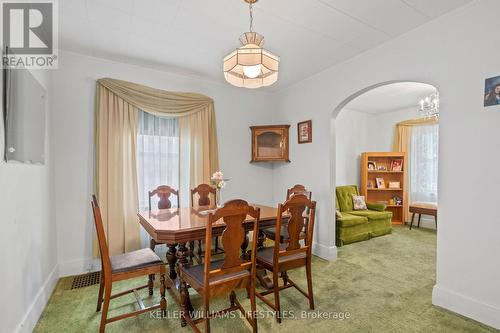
251	71
251	66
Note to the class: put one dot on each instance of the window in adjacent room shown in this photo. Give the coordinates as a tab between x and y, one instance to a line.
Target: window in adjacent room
424	163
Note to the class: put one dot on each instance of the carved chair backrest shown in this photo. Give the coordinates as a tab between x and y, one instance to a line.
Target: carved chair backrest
299	209
234	214
163	192
203	191
298	189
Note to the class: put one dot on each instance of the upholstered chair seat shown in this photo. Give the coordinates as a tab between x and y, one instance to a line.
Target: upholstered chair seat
134	260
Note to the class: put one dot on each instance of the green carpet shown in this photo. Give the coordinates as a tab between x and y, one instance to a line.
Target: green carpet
380	285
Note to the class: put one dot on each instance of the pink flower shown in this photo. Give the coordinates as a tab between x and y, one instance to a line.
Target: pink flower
218	176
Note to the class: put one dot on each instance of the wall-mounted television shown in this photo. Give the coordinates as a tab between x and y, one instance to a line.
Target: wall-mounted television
24	107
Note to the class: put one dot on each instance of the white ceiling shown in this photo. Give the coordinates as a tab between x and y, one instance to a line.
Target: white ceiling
391	97
194	35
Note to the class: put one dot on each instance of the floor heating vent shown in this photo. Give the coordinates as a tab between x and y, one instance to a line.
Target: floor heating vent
86	280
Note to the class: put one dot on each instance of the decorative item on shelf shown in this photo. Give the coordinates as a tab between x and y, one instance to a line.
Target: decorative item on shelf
219	182
370	184
398	201
381	168
304	131
391	202
251	66
395	185
492	91
429	105
380	182
372	166
397	165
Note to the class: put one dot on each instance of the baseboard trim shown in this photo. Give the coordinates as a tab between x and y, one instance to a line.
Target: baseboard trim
33	313
466	306
325	252
77	267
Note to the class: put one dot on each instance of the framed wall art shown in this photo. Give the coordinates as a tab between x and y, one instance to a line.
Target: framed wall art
304	131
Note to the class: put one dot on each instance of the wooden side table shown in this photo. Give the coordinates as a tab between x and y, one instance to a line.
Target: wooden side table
425	209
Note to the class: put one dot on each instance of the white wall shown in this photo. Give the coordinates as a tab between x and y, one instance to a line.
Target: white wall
385	126
354	136
359	132
28	237
72	137
459	54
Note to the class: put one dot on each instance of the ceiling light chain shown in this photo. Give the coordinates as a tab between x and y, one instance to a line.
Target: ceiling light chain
251	16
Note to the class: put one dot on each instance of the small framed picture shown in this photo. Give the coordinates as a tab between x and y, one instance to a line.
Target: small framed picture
492	91
381	167
394	185
397	165
304	131
370	184
372	165
380	182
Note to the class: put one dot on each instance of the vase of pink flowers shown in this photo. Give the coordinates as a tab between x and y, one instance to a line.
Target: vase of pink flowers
219	183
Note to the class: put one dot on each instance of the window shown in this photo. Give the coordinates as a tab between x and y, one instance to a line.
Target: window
424	163
157	155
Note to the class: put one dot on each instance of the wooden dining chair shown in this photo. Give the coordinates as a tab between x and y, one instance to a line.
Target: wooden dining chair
124	267
163	192
224	276
292	254
296	189
203	191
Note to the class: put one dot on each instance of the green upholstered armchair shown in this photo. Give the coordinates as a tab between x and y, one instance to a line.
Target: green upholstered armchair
359	225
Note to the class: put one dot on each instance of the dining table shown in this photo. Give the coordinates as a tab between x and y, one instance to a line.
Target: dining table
176	227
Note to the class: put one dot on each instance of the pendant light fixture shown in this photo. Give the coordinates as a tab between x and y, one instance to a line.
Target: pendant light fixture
251	66
429	105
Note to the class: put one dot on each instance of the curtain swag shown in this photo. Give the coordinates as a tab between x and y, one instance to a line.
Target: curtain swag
115	179
403	131
156	101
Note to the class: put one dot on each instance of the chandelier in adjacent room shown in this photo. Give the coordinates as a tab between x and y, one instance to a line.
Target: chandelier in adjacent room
430	105
250	65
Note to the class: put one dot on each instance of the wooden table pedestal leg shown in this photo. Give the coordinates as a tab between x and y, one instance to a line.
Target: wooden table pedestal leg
182	259
184	293
261	273
261	237
172	259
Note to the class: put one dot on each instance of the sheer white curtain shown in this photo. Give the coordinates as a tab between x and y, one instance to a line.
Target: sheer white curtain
424	163
157	158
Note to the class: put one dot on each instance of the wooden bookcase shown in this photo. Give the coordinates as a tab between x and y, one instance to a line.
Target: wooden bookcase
374	193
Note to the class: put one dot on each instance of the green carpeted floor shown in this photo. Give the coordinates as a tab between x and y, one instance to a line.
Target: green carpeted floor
381	285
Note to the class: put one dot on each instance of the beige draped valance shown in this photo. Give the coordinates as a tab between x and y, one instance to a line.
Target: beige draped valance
403	131
117	105
156	101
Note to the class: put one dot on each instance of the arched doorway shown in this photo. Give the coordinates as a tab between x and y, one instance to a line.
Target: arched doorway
366	122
